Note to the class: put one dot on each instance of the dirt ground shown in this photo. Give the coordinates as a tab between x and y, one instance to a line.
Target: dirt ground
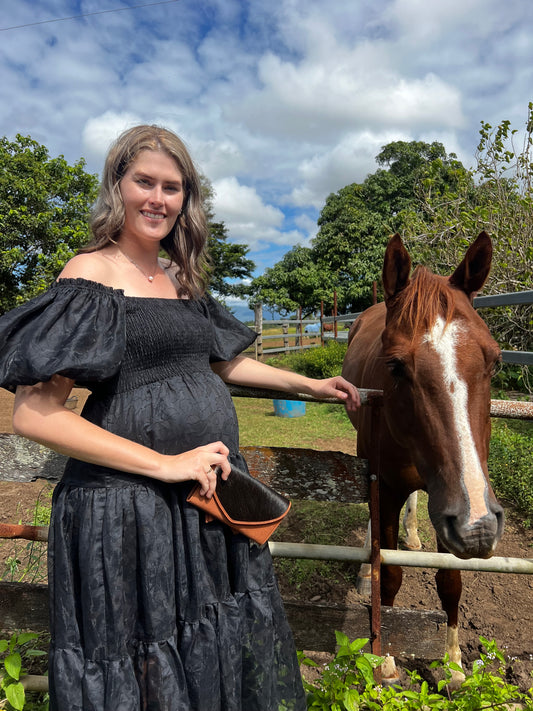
495	606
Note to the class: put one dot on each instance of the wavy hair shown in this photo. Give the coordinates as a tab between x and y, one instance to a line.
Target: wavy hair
186	243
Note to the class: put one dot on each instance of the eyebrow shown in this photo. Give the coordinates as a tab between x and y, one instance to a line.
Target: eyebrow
141	174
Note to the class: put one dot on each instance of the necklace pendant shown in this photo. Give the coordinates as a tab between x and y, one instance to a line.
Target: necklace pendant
150	279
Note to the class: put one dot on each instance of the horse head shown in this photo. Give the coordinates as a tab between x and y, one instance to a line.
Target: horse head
439	357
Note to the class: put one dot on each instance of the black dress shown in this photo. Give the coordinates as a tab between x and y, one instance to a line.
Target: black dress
151	608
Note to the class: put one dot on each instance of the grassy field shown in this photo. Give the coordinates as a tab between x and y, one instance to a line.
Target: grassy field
323	426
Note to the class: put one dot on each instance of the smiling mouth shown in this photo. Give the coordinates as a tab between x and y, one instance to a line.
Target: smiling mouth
153	215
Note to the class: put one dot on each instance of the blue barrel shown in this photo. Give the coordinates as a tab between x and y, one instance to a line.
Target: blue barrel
289	408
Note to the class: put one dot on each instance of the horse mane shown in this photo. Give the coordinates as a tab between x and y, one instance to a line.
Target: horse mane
423	299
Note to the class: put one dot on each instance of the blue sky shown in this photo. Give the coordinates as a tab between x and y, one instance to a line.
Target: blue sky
280	103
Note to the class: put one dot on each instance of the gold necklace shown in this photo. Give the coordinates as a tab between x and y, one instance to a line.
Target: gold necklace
150	277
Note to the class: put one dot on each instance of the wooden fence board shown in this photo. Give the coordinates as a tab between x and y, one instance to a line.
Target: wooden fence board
23	460
404	633
310	474
23	606
419	633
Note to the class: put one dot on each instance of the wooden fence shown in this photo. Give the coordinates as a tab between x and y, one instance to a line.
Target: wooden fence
328	328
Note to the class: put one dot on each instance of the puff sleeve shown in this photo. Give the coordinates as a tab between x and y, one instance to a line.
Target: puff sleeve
75	329
230	336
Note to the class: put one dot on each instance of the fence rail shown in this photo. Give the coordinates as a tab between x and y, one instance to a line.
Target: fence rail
519	298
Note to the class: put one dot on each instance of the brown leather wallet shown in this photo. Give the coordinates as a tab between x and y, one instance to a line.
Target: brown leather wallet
244	503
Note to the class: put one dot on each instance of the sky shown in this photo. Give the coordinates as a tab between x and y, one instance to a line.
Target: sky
281	103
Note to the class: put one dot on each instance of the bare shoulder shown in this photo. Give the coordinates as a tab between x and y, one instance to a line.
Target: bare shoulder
94	266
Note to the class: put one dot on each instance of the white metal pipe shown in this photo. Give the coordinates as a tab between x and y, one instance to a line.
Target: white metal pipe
417	559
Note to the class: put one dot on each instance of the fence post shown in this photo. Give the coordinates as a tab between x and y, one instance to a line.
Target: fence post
322	324
258	312
299	339
285	327
335	313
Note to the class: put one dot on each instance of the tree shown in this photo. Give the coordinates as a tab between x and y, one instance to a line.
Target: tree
496	196
356	222
44	207
294	281
228	259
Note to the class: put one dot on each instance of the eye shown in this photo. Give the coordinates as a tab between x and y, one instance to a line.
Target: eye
396	367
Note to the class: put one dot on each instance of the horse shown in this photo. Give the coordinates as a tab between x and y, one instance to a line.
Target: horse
433	356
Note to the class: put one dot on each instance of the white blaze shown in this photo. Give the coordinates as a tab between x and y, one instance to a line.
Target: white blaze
444	340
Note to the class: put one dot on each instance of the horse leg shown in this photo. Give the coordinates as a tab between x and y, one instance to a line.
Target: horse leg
391	575
410	524
363	583
449	588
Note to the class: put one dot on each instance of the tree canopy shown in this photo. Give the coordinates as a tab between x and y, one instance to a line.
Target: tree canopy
44	206
354	227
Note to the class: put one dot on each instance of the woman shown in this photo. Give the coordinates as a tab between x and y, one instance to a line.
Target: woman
151	607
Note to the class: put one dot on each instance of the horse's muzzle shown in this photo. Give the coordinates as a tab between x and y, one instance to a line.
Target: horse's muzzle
465	540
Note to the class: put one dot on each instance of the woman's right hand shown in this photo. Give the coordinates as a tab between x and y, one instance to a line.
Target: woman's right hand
199	465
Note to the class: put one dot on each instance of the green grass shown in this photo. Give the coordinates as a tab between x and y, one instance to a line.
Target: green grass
322	424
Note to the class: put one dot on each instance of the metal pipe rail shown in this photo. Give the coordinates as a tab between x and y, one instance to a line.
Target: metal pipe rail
512	409
413	559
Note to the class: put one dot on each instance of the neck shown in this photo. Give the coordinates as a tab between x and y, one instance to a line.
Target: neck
140	262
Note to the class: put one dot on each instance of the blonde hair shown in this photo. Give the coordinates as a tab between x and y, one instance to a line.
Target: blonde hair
186	243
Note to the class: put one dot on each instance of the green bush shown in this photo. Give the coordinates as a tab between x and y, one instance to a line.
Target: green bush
320	362
347	684
511	465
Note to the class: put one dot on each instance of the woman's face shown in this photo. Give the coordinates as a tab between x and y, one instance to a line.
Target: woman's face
152	193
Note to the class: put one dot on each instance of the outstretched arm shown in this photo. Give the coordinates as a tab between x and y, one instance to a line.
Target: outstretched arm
246	371
39	414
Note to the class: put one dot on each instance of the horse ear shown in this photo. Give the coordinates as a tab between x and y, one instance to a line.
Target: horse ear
396	267
473	271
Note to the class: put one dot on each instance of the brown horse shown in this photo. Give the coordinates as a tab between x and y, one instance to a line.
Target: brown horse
433	357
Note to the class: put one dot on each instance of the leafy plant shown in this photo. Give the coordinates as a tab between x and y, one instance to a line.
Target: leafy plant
347	684
323	362
13	652
511	466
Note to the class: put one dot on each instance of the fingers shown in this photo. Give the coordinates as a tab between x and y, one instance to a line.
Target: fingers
210	458
340	387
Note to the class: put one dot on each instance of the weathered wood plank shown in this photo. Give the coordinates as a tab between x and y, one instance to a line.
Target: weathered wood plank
23	606
23	460
405	633
310	474
299	473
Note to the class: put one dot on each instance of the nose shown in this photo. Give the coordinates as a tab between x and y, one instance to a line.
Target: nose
471	540
156	195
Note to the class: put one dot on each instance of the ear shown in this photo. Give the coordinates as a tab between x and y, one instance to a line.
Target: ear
473	271
396	267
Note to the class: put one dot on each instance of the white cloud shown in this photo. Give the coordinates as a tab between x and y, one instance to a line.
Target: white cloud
248	218
100	132
350	161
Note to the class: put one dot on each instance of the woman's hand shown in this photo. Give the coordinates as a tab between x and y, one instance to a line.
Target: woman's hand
340	388
199	465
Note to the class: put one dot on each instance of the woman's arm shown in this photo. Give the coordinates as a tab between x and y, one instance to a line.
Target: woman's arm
40	414
246	371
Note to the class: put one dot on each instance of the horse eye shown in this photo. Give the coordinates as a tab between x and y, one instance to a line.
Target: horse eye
396	367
